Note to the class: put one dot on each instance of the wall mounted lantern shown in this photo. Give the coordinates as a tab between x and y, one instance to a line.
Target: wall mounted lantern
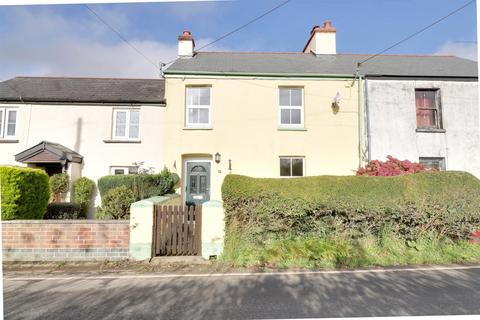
336	103
218	157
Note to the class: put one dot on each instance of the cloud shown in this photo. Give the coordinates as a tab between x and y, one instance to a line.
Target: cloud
463	50
45	43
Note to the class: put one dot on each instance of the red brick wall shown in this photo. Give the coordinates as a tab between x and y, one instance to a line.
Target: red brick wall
65	239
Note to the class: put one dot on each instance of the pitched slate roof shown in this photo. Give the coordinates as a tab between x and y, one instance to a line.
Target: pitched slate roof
325	64
47	151
83	90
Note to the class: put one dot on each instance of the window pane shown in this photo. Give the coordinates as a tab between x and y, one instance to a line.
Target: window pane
426	118
120	123
192	96
193	184
296	116
119	171
203	184
204	96
192	115
284	97
134	124
435	163
297	167
285	116
296	97
1	122
285	167
12	121
203	115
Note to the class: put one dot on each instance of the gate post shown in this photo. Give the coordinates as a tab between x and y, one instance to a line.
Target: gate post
141	227
213	228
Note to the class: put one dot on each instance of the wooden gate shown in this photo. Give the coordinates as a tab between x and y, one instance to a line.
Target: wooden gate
177	230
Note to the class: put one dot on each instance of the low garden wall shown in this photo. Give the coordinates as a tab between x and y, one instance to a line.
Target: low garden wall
65	240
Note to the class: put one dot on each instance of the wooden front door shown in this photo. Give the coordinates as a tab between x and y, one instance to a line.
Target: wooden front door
197	182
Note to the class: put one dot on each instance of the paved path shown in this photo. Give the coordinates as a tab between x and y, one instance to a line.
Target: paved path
244	296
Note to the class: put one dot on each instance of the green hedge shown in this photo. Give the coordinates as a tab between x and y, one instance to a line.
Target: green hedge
82	193
25	193
142	185
445	203
64	210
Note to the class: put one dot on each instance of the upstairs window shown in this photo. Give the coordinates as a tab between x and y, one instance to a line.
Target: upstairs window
8	122
198	109
126	124
291	107
291	166
429	110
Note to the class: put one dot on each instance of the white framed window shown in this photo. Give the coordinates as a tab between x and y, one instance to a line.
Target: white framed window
433	163
198	106
123	170
291	112
126	124
8	122
292	166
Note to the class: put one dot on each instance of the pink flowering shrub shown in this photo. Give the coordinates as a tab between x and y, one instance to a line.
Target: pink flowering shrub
475	237
391	167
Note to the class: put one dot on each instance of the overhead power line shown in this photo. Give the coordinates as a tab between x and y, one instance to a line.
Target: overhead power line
121	36
238	28
418	32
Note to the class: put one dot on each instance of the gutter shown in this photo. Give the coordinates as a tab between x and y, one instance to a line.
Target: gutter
249	74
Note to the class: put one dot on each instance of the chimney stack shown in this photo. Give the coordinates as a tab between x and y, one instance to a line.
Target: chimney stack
186	45
322	40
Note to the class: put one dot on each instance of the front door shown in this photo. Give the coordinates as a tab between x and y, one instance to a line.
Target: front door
197	182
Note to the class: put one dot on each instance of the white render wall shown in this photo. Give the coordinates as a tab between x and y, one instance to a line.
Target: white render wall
392	123
83	128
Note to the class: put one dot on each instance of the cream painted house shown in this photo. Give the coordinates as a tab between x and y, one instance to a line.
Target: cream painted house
86	127
260	114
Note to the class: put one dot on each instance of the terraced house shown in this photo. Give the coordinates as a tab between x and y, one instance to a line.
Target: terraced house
314	112
261	114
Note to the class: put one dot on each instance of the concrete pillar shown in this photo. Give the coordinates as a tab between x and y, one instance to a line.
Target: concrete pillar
141	227
213	228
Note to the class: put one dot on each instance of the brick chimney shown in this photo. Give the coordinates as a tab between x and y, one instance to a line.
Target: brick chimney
186	45
322	40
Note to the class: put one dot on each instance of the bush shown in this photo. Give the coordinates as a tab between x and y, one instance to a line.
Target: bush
58	185
25	193
142	185
116	204
82	193
64	210
445	203
391	167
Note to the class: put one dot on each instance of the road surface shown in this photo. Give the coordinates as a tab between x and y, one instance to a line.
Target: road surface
395	292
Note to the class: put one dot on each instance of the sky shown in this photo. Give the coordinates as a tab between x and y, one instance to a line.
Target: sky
67	40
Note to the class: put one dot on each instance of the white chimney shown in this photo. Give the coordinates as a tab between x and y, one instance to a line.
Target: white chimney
185	45
322	40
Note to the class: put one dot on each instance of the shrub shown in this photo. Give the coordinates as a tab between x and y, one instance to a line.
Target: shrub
82	193
25	193
391	167
58	185
64	210
444	203
116	204
142	185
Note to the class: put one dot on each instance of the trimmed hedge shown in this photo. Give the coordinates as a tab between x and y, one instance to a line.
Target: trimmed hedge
142	185
25	193
445	203
82	193
64	210
116	204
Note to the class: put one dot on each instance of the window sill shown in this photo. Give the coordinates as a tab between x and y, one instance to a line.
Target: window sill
8	141
291	129
197	128
427	130
121	141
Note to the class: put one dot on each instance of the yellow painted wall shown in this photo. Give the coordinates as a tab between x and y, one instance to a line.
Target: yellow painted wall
245	114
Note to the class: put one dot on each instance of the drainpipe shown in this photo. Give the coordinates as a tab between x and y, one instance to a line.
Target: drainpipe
367	116
360	116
